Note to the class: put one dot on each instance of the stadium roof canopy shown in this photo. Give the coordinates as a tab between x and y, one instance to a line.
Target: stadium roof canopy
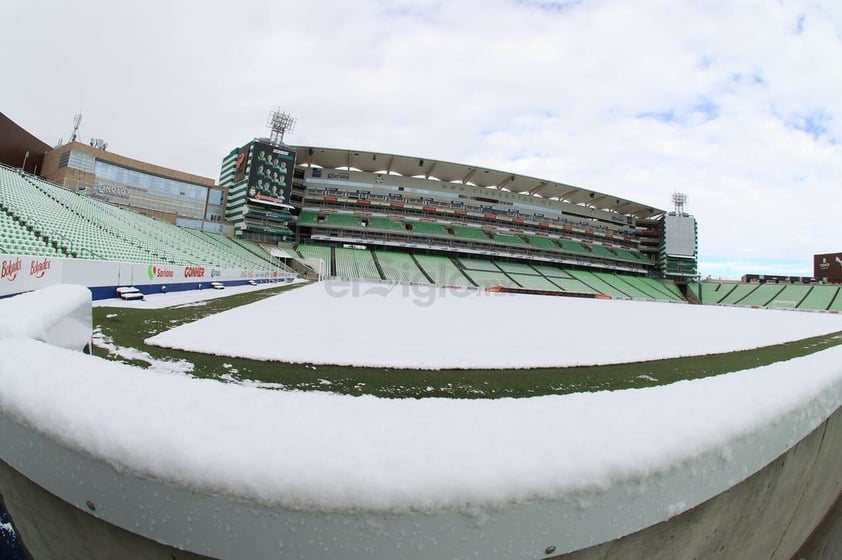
408	166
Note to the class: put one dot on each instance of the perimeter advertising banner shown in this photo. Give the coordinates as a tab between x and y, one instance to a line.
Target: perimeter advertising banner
828	267
24	273
270	174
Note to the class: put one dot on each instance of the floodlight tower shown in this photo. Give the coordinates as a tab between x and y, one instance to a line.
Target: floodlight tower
679	199
77	120
279	123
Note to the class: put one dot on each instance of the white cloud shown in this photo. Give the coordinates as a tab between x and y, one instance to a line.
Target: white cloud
735	104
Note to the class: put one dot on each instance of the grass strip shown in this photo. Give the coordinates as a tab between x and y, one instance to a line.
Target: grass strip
129	327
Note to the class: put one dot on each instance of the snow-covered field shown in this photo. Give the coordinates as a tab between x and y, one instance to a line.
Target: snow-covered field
369	324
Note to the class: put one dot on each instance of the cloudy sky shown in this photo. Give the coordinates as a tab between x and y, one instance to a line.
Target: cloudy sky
737	104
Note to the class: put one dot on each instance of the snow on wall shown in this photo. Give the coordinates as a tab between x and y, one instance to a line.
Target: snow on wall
402	326
59	314
330	452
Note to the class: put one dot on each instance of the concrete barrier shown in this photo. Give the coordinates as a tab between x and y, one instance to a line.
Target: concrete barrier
770	515
761	494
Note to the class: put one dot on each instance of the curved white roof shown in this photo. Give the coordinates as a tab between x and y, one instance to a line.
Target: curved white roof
413	166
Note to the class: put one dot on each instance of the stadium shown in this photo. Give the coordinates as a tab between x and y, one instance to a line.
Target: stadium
421	359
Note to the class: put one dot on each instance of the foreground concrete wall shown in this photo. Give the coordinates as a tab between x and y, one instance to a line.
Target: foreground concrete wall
50	528
826	541
771	515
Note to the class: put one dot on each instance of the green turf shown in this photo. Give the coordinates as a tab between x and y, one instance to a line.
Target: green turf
129	327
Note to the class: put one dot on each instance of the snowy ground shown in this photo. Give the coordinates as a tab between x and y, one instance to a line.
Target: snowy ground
369	324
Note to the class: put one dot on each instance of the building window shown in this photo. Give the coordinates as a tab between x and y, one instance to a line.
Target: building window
80	160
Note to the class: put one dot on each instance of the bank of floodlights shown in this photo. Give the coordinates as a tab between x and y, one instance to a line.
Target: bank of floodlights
679	199
279	124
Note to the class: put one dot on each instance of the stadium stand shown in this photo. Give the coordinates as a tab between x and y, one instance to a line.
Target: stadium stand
516	268
666	286
573	285
820	298
597	284
836	304
661	291
508	239
466	232
573	246
790	297
713	292
628	255
550	271
384	224
442	271
356	263
739	292
339	221
18	240
762	295
601	251
478	264
319	253
41	219
485	278
307	218
541	242
400	267
625	288
533	282
428	229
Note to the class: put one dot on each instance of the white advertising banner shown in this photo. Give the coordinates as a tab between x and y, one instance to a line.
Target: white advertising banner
22	274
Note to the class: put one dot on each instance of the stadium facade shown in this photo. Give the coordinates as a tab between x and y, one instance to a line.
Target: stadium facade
379	201
258	179
166	194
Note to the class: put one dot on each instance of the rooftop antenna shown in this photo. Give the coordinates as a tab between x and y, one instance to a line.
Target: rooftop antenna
77	119
679	199
279	123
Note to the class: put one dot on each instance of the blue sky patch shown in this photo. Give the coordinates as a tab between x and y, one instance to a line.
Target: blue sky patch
661	116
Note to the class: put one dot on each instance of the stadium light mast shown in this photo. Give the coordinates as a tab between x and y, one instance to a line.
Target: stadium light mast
77	120
279	124
679	200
